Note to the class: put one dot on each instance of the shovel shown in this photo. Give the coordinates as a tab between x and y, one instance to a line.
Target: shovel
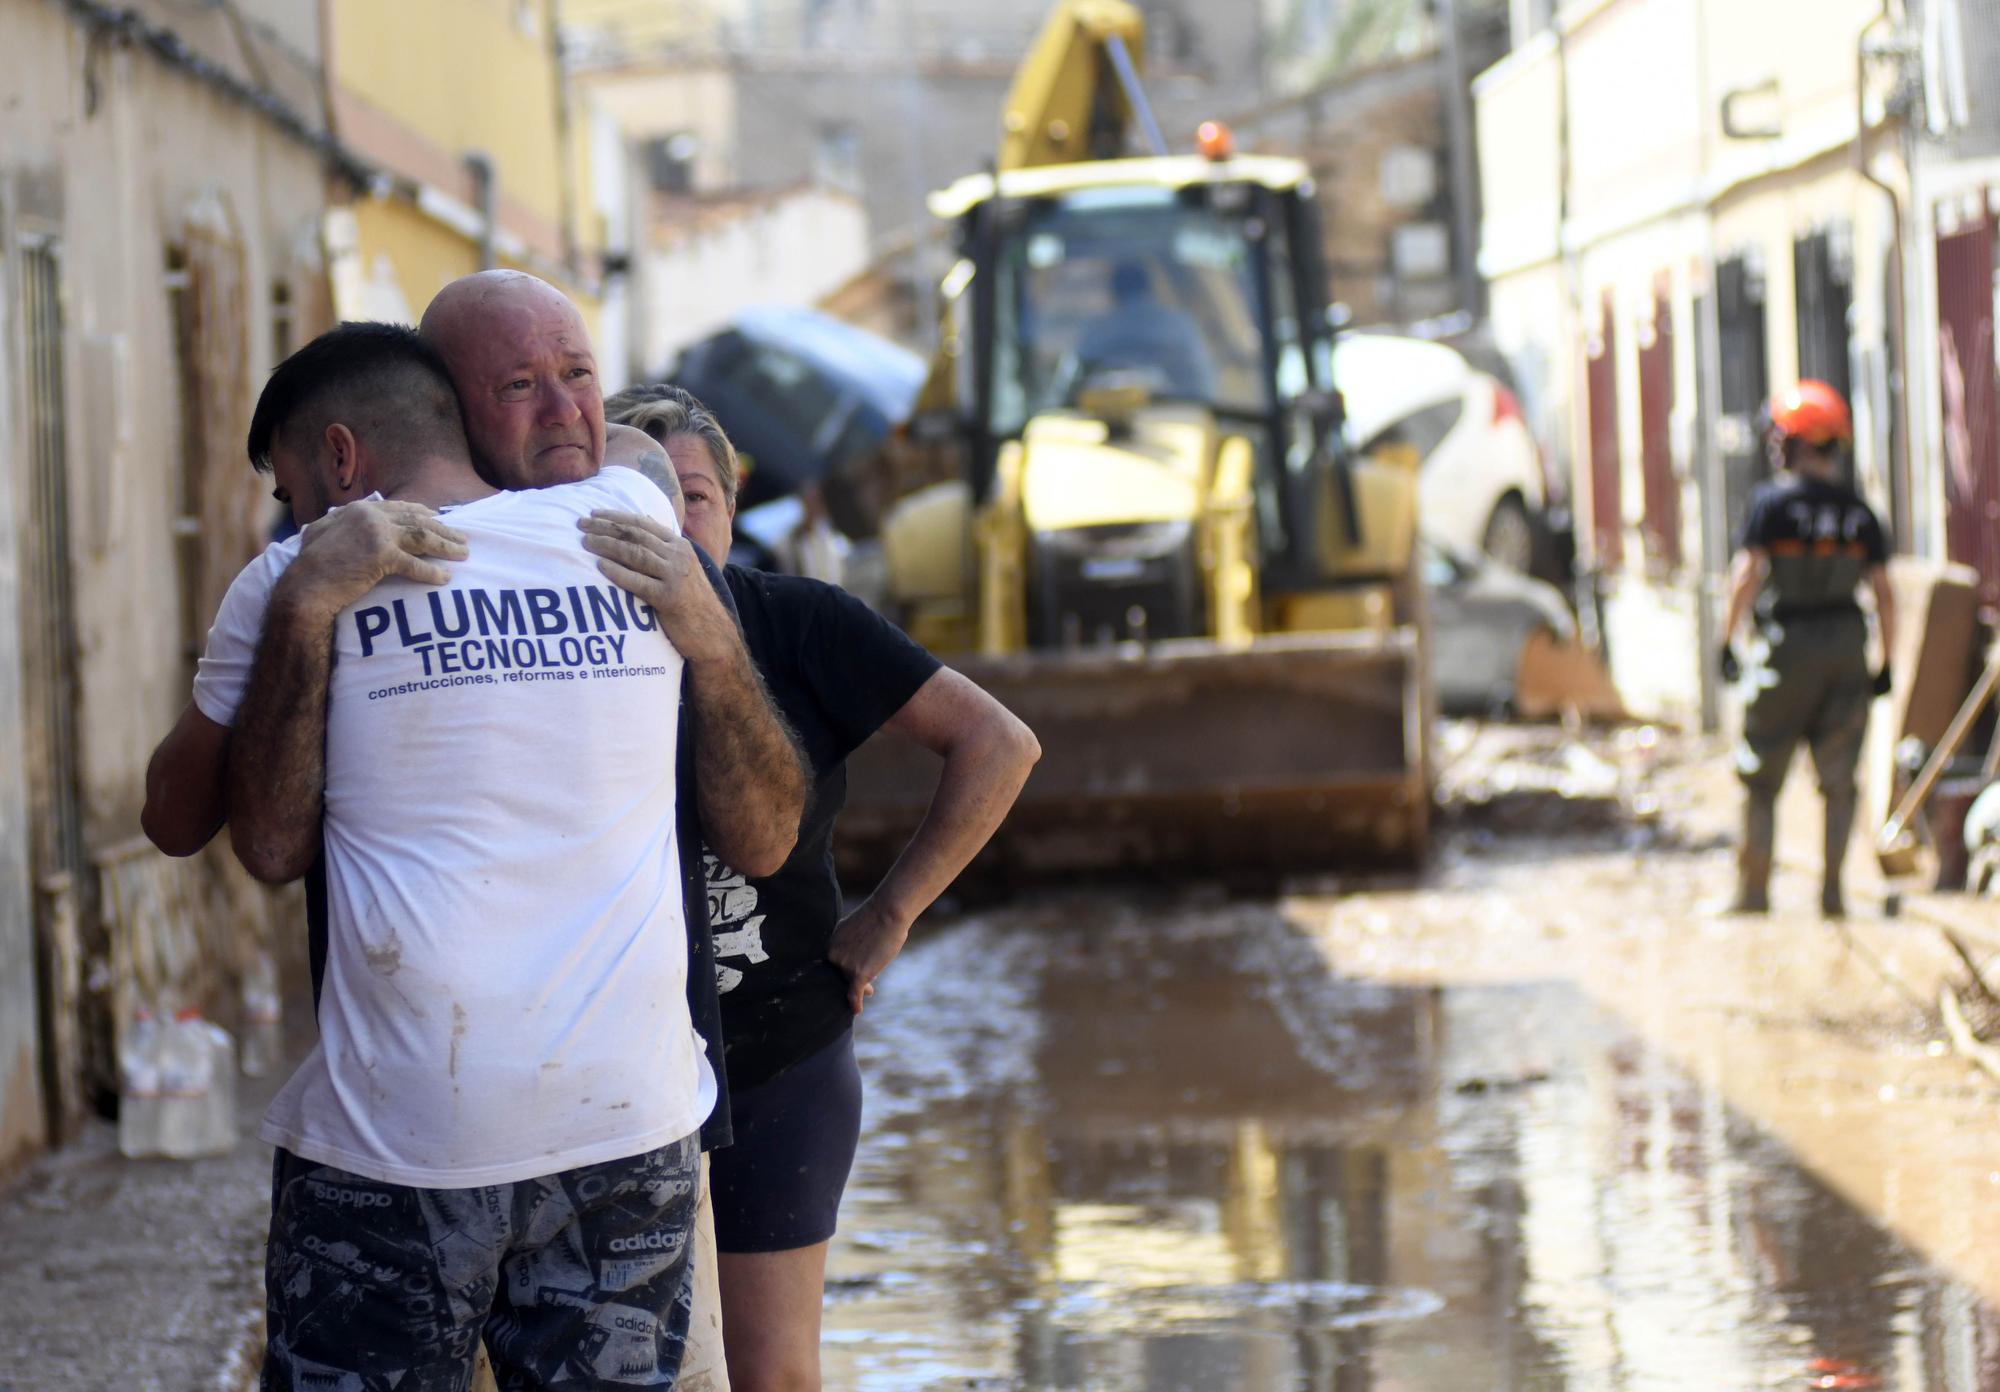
1899	849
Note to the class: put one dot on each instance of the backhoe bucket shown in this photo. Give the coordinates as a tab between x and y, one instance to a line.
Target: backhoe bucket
1301	751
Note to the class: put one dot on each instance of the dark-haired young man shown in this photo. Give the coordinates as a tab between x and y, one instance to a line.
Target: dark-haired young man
496	1135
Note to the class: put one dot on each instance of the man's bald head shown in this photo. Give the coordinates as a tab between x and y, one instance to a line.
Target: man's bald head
521	360
468	305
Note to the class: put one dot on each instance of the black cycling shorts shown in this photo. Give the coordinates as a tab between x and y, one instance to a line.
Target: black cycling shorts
778	1186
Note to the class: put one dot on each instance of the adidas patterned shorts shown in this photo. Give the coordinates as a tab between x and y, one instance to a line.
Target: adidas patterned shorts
576	1280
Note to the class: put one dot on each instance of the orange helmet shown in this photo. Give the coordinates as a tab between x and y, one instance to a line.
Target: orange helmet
1813	412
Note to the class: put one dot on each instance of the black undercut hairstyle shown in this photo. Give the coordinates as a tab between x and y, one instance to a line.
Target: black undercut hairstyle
381	381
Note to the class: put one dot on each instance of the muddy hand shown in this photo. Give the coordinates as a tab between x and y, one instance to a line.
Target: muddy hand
863	946
352	549
641	556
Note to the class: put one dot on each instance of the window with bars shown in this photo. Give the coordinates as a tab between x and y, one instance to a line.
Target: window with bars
1823	293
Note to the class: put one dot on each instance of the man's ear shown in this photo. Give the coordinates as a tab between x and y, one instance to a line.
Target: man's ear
345	452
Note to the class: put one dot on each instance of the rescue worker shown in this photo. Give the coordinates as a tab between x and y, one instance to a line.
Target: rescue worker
1807	545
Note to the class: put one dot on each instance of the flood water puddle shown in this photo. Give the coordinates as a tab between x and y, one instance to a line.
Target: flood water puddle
1108	1148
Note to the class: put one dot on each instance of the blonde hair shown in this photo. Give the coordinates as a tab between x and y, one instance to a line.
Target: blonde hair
664	411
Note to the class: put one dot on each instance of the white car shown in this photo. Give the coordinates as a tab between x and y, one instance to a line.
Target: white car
1482	488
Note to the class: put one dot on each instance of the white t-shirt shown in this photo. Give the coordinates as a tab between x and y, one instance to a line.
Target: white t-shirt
505	991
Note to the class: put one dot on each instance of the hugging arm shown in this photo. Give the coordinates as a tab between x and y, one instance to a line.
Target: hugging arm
749	773
277	774
276	784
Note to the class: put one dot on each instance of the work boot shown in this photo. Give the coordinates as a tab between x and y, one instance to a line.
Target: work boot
1753	887
1839	825
1753	859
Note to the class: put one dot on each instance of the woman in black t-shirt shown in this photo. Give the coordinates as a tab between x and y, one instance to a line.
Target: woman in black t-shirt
793	969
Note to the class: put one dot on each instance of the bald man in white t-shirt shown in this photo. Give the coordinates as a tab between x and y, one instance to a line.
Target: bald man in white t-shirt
496	1135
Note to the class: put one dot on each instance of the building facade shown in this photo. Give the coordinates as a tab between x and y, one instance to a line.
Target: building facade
1953	144
511	170
706	259
886	102
1400	218
187	194
163	178
1688	204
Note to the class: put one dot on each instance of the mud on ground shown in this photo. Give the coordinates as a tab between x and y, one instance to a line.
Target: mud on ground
1525	1120
1529	1120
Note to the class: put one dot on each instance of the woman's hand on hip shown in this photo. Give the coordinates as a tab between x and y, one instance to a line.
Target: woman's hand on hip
863	946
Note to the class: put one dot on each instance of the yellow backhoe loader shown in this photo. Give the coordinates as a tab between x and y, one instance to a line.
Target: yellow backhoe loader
1157	548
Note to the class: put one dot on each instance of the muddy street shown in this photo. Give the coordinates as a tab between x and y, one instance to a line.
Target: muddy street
1531	1123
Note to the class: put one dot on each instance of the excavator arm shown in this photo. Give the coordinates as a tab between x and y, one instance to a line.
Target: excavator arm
1277	714
1077	95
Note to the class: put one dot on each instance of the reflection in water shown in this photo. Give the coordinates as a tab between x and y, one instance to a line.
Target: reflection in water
1108	1149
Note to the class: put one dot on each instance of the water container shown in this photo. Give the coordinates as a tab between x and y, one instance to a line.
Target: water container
263	1043
219	1126
187	1072
139	1087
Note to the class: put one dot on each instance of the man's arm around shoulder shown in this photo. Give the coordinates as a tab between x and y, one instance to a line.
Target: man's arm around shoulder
749	773
277	775
277	760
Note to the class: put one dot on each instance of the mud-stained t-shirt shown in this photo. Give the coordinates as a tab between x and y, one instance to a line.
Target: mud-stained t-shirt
838	671
505	992
704	1004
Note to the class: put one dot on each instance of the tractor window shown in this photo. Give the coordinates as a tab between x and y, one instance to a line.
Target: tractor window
1144	286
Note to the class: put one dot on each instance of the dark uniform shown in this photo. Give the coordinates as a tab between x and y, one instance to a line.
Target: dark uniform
1810	680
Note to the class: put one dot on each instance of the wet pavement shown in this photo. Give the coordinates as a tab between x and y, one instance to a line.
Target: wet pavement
1529	1124
122	1275
136	1275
